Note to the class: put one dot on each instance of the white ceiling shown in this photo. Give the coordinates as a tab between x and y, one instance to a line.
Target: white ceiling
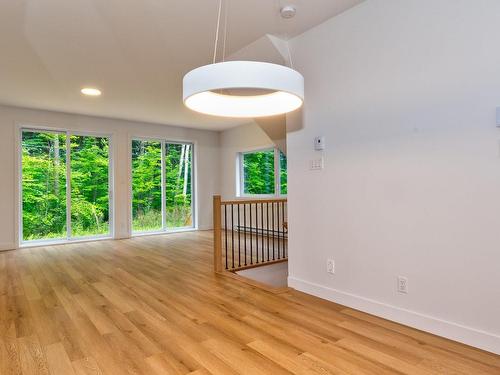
135	51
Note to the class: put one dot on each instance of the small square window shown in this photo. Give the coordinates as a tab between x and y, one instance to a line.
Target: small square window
262	172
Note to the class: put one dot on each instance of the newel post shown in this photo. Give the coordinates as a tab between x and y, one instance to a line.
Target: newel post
217	234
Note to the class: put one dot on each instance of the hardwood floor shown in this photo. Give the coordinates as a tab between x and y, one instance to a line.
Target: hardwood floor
152	305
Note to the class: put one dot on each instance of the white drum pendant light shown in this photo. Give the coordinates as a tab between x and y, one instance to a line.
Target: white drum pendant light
242	88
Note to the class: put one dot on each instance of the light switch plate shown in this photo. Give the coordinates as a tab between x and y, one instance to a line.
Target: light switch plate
316	164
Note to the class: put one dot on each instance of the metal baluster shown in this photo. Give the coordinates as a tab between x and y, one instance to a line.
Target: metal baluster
245	230
285	242
225	229
239	238
273	228
267	226
232	235
262	229
279	229
251	236
257	231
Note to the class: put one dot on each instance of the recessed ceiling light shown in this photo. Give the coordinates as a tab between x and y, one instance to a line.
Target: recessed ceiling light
90	91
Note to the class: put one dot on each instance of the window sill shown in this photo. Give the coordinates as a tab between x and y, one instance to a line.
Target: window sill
41	243
160	232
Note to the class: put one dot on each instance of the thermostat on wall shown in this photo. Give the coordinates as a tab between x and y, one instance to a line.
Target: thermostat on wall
319	143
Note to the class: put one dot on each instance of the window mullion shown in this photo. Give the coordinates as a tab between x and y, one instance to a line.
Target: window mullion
242	174
163	188
277	174
68	186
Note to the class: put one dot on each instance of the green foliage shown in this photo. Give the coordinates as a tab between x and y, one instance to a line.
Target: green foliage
178	164
147	185
44	185
258	170
283	174
89	186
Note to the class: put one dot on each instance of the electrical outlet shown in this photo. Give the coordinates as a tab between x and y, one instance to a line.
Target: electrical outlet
402	285
330	266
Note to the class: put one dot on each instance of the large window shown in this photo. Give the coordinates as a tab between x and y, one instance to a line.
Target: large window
89	185
147	186
262	172
43	185
65	186
162	191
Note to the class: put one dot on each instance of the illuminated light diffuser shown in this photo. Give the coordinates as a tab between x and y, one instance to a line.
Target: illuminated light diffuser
90	91
216	89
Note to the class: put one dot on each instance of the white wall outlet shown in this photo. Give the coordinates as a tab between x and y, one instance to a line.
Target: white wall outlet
330	266
319	143
316	164
402	285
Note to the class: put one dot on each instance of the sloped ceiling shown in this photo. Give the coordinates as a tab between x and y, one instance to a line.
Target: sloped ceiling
135	51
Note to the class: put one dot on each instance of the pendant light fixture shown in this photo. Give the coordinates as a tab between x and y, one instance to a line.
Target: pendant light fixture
242	88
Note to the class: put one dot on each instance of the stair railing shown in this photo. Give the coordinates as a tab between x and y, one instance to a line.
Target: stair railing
249	233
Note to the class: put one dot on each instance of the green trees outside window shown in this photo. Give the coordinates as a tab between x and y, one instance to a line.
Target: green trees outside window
150	186
258	173
261	171
45	202
89	186
146	186
162	189
283	174
178	193
43	185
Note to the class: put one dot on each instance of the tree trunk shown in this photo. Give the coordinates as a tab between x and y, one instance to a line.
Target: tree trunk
186	167
57	164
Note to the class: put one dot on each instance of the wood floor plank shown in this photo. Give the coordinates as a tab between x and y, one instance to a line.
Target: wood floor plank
152	305
9	355
31	356
58	360
86	366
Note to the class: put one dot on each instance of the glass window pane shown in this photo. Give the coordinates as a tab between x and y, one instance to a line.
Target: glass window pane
258	172
43	185
89	186
178	189
283	174
146	186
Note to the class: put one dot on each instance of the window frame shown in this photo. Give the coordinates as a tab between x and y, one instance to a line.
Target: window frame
165	229
69	238
240	190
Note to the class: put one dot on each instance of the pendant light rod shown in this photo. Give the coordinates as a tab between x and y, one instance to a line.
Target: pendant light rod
226	6
289	53
217	31
243	89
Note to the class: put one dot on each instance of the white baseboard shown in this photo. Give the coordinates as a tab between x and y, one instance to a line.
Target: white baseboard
453	331
7	246
205	227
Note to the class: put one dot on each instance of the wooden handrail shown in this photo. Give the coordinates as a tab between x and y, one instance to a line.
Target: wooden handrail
249	233
252	201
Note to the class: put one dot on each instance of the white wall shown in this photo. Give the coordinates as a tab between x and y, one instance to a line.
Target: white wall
206	162
405	93
233	141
